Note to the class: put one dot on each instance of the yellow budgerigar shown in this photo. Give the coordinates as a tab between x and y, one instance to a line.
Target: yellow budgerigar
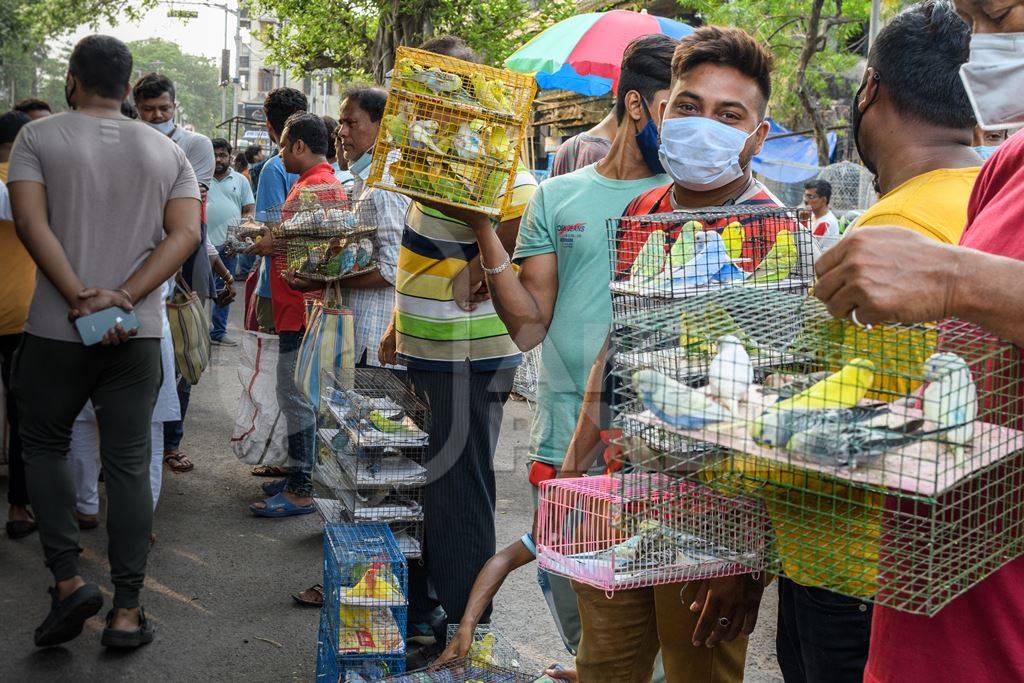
733	235
842	389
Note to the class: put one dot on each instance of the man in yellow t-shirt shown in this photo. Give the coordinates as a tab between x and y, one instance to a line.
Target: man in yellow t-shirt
17	284
913	127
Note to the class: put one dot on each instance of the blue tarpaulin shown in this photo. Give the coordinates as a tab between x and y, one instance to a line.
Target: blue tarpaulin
790	159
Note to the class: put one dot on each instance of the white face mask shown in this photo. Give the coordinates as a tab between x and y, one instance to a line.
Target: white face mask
702	154
166	127
994	79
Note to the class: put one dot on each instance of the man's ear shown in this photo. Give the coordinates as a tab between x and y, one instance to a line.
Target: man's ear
760	135
870	91
634	106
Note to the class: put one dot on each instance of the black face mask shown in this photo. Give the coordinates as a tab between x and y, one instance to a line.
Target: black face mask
68	92
856	115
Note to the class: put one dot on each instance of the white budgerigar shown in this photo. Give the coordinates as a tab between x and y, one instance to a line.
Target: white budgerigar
731	372
950	399
676	404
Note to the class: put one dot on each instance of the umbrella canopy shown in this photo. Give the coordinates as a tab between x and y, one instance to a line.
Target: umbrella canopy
583	53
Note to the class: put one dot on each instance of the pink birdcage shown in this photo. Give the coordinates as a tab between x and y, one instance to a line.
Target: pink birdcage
645	529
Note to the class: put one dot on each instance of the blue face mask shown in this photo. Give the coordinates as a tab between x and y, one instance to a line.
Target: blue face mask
702	154
360	164
647	141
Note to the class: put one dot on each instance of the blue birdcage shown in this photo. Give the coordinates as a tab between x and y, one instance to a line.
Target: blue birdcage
363	622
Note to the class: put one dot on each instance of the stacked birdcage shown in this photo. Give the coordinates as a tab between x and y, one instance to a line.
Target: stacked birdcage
452	131
464	670
363	620
889	460
660	258
323	236
373	443
642	529
242	234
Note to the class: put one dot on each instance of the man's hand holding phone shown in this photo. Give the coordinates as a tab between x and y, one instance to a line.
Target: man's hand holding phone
97	309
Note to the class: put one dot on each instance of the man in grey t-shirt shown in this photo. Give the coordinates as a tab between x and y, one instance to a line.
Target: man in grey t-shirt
108	209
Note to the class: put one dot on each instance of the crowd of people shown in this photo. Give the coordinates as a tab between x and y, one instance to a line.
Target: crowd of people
450	315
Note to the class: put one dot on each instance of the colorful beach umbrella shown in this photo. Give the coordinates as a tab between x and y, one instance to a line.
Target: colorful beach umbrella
583	53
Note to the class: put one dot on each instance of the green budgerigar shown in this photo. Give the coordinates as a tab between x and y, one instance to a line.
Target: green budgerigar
779	262
650	259
685	247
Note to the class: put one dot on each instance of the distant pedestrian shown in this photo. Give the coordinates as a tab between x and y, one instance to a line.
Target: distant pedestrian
817	196
240	165
586	148
17	282
108	220
35	108
228	202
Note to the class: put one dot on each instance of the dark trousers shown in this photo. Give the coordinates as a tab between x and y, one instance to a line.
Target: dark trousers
52	380
174	431
17	492
219	319
458	500
299	416
822	636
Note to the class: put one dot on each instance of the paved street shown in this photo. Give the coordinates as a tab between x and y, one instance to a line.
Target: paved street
219	580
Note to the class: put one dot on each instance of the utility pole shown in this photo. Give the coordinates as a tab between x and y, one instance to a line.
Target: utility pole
225	82
875	24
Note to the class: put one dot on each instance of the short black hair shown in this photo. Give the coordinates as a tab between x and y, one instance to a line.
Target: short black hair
310	129
240	163
221	143
128	109
822	187
251	151
102	65
371	100
451	46
151	86
10	123
282	103
30	104
917	57
727	46
646	68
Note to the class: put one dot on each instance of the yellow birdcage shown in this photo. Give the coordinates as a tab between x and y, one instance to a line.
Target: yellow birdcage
452	131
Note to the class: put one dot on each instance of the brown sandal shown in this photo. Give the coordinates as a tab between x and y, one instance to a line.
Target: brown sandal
311	597
269	471
178	462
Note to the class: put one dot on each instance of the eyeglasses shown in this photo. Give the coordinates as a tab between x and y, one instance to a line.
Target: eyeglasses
808	197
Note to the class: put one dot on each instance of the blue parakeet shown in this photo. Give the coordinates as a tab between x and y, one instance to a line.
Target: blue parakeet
712	262
951	399
347	259
675	403
364	252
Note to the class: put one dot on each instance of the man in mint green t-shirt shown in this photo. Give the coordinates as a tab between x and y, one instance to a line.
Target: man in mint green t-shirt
561	297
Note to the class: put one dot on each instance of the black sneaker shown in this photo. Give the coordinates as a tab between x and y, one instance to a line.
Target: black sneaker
67	617
128	640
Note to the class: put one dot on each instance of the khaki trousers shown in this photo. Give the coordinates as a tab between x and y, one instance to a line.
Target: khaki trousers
622	636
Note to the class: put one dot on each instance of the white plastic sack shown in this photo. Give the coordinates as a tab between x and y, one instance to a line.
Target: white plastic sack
261	433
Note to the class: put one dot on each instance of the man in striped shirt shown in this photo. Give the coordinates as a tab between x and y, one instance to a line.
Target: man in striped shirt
460	357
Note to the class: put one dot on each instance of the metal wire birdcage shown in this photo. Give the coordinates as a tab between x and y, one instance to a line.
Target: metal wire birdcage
372	449
365	600
889	459
640	529
659	258
489	646
464	670
452	131
241	235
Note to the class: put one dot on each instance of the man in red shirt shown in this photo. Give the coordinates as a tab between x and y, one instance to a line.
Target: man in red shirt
304	144
892	274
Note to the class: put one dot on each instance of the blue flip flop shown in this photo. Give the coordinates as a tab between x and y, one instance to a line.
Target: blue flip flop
279	506
272	488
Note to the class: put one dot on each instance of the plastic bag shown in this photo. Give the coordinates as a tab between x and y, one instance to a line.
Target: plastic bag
260	436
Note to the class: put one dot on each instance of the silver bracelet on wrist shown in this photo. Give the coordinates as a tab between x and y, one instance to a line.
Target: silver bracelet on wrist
496	271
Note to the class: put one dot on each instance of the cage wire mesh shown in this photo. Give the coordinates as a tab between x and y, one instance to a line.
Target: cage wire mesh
242	233
659	258
372	448
365	600
853	186
452	131
888	458
489	646
324	236
642	529
464	670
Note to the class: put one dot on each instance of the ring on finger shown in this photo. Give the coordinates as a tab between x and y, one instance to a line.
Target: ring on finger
853	318
724	622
